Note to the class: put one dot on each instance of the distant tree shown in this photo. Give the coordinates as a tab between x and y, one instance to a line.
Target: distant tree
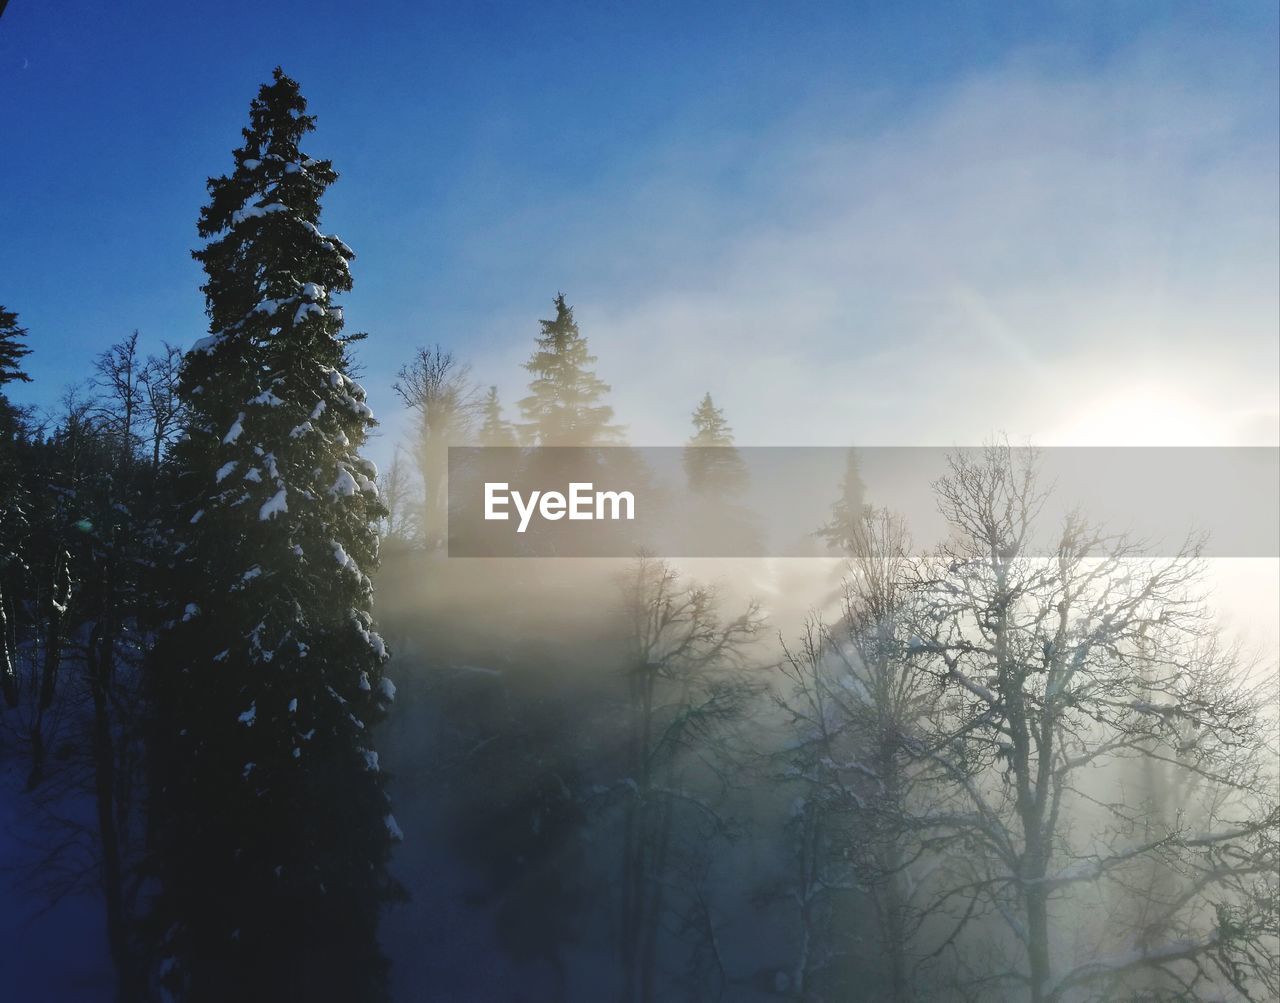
712	466
270	816
710	427
685	688
713	521
400	496
440	390
564	406
495	430
161	406
12	349
120	398
848	513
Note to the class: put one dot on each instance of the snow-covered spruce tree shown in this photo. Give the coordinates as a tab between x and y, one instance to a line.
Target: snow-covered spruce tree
270	819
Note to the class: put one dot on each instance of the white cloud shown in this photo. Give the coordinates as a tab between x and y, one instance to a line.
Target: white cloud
1001	257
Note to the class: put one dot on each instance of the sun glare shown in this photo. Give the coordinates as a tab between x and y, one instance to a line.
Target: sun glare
1142	416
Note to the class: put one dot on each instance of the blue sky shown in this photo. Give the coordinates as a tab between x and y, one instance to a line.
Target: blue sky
861	221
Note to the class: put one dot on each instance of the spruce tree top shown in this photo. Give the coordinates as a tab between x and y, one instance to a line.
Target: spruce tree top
272	367
844	531
563	407
11	348
266	261
709	425
712	466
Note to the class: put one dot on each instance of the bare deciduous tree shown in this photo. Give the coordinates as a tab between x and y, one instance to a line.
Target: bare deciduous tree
440	390
854	707
161	406
684	688
118	378
1058	672
79	673
400	495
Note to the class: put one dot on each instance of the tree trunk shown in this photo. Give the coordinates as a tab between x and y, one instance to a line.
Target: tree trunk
1037	900
633	848
55	611
656	903
895	936
101	647
894	905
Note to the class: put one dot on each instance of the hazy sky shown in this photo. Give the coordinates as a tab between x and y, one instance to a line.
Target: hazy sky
879	223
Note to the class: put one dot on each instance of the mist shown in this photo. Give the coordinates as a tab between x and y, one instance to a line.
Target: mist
934	654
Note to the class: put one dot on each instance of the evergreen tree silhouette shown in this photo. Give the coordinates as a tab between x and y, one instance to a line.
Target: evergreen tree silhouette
495	430
712	466
12	351
564	404
12	348
843	531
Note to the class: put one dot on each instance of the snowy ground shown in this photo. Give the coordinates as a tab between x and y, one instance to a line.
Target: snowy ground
59	954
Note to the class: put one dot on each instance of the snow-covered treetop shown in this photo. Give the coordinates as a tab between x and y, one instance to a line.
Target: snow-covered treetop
269	266
271	456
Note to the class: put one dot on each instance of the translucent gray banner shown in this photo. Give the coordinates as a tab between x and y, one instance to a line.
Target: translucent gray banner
776	501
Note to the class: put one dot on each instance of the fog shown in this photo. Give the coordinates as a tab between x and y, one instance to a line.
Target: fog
286	717
779	869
